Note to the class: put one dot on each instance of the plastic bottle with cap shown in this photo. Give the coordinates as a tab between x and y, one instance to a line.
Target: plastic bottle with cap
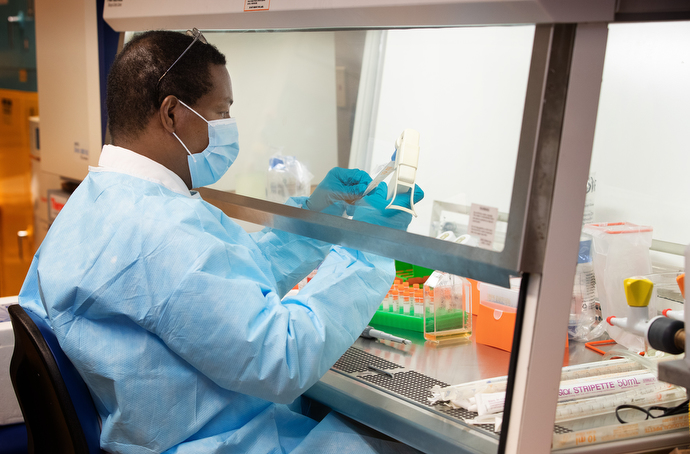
449	311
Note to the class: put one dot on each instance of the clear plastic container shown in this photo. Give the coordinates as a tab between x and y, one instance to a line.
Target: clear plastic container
585	323
667	293
448	307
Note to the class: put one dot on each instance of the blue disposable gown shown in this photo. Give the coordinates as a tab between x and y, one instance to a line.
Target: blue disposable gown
173	315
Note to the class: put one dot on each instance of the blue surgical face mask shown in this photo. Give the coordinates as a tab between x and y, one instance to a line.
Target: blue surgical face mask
208	166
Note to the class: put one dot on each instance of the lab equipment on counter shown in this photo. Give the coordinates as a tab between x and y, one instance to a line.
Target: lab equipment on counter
620	250
669	290
287	177
458	396
667	293
585	311
403	165
590	394
604	397
660	332
380	371
371	333
680	280
661	393
595	434
392	311
675	315
491	401
496	316
448	307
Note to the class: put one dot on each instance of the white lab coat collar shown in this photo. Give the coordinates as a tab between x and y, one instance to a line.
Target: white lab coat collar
122	160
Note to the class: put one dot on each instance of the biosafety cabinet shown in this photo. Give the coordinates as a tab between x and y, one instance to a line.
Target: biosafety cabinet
532	115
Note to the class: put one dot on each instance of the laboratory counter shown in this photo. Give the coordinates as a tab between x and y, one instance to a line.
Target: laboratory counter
386	385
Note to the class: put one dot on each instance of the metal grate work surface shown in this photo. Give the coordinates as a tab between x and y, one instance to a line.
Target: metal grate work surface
411	384
417	387
406	383
356	360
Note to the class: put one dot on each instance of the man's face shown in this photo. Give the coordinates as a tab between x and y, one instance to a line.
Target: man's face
214	105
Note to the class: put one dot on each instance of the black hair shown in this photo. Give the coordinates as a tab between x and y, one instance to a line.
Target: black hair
133	93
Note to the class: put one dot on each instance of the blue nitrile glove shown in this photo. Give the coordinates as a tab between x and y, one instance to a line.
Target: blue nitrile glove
339	188
372	208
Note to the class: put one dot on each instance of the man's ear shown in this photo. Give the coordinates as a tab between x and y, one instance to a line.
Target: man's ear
167	111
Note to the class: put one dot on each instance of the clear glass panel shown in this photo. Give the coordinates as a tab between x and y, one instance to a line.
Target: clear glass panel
342	98
640	157
637	196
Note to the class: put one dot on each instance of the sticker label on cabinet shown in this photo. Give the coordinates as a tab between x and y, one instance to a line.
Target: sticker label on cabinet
83	153
483	224
257	5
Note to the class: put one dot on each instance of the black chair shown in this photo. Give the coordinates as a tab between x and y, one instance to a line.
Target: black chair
58	410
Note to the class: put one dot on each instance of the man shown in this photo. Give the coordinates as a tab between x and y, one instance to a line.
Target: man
173	314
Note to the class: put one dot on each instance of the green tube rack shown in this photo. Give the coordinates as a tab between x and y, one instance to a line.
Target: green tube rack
444	321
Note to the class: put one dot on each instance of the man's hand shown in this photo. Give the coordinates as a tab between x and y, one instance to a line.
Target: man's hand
372	208
338	188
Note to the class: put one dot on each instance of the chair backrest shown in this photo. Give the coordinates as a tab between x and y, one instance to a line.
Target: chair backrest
58	410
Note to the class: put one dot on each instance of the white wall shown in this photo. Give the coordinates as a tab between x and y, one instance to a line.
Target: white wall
463	89
284	89
68	83
641	153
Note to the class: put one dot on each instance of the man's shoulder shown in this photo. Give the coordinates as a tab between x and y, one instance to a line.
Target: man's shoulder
114	189
108	198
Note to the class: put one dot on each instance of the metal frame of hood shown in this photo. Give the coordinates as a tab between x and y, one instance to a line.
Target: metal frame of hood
530	204
133	15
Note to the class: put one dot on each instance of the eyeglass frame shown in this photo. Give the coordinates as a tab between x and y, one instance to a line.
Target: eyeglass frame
198	36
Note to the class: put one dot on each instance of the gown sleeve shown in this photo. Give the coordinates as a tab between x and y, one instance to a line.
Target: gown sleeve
292	257
239	333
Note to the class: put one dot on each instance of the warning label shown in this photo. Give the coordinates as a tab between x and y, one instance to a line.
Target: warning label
257	5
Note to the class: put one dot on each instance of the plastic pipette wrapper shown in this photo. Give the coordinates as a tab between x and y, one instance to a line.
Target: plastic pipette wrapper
619	431
465	396
490	403
607	384
495	419
457	396
600	387
659	394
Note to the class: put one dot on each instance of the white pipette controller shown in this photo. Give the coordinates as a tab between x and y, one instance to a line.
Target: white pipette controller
403	165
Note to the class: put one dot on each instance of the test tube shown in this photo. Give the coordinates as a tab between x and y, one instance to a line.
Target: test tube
395	299
385	305
406	302
418	303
